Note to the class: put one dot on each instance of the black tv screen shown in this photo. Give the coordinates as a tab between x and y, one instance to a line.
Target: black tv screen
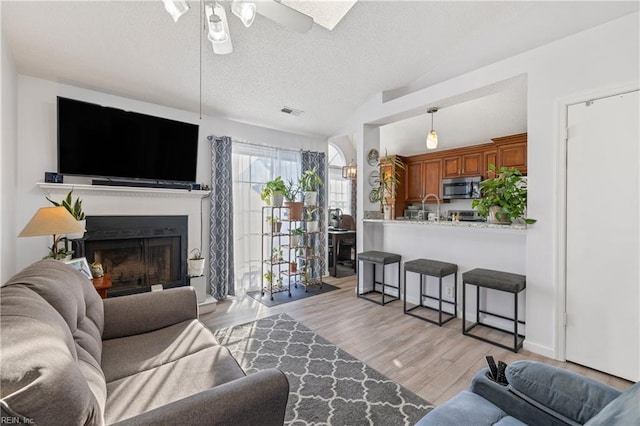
94	140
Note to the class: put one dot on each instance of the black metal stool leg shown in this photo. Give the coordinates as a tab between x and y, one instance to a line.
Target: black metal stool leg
440	301
405	292
515	322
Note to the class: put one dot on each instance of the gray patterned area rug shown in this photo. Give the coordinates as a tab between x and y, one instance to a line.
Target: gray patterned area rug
327	386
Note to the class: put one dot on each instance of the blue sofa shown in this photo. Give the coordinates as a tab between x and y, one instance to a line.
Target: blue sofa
538	394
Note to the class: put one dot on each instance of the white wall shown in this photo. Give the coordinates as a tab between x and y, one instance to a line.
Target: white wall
8	163
36	153
605	58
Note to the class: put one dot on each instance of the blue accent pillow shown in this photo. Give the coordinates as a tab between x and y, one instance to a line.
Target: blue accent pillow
568	396
624	410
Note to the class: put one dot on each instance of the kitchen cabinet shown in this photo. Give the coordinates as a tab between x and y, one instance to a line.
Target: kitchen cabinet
414	182
432	181
490	157
469	164
512	151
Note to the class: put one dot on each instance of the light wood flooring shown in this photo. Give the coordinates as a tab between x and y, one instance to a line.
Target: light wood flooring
434	362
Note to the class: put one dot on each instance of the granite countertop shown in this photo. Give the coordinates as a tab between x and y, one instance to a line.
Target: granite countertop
481	225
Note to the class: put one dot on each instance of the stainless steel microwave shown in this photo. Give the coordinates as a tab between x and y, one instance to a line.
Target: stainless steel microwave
465	187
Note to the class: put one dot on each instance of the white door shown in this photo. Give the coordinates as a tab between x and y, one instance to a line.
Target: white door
603	255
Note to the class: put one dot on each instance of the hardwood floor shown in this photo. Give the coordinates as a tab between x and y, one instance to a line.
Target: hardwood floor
434	362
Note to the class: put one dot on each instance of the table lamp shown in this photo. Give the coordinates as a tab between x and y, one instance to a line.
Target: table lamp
55	221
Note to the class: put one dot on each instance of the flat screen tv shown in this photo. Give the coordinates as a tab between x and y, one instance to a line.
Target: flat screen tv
99	141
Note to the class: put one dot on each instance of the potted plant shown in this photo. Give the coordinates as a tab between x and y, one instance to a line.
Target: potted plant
290	193
294	238
504	197
276	255
276	224
195	263
75	208
293	267
385	191
269	277
309	183
272	192
313	225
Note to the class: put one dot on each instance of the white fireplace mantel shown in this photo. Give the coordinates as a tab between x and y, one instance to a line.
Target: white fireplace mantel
123	190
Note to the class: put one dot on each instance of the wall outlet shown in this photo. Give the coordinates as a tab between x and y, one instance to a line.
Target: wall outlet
450	292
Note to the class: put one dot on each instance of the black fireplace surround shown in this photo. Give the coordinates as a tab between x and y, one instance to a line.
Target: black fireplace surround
138	251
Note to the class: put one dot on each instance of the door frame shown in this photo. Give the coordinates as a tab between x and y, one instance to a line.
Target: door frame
562	106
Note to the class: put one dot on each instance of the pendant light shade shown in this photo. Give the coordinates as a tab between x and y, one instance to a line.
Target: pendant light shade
432	137
245	11
350	171
176	8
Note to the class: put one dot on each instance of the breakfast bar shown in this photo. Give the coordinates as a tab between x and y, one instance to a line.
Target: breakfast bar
467	244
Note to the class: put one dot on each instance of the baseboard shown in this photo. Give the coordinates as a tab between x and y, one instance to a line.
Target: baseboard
539	349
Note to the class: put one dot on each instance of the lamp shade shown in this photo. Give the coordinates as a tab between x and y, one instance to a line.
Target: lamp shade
350	171
51	221
176	8
432	140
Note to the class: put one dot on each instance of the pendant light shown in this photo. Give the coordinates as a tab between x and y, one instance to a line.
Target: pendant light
432	137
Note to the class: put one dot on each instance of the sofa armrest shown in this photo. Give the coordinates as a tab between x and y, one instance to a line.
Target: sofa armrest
144	312
569	396
257	399
510	403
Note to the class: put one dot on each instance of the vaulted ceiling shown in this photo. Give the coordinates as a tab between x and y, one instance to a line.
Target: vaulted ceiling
135	50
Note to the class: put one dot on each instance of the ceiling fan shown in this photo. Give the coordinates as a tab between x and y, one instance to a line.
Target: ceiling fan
245	11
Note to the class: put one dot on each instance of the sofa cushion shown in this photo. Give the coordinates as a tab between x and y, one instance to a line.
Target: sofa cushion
624	410
568	396
467	408
172	381
153	349
47	376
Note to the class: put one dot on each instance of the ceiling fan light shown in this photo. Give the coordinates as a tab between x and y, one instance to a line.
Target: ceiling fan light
176	8
432	140
245	11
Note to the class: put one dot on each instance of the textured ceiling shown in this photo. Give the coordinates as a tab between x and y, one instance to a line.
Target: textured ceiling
135	50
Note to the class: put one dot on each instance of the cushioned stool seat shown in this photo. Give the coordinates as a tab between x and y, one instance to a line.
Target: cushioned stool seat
494	280
438	269
378	258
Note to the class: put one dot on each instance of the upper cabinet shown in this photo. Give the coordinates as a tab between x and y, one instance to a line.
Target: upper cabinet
423	173
512	151
469	164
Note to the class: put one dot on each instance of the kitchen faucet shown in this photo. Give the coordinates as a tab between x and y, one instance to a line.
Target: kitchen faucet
437	200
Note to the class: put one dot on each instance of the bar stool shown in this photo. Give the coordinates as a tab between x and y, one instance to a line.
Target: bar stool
494	280
378	258
433	268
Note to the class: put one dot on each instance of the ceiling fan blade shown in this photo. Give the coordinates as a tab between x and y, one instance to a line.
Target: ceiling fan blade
284	15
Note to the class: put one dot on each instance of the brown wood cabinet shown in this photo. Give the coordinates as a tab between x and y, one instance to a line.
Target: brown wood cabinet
512	151
470	164
423	173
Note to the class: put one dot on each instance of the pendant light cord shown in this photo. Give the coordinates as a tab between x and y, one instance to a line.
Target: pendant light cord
200	39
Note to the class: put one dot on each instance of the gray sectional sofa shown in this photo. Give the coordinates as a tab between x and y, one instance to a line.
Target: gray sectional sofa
538	394
69	357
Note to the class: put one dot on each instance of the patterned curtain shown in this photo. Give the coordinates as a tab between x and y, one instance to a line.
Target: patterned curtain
221	220
311	159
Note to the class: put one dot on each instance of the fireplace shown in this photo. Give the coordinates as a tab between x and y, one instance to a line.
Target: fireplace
138	251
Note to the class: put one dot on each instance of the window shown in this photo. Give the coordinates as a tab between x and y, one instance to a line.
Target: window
339	188
252	166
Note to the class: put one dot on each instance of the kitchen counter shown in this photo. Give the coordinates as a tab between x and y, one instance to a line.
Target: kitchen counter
477	225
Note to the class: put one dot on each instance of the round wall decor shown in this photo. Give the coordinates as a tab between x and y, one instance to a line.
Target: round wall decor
372	157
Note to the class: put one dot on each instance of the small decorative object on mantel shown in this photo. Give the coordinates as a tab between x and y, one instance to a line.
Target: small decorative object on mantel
504	197
75	208
195	264
97	271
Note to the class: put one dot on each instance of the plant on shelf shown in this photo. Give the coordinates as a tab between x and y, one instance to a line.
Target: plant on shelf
276	255
273	192
75	209
279	281
291	192
296	234
504	197
195	263
313	225
309	182
268	276
389	167
276	224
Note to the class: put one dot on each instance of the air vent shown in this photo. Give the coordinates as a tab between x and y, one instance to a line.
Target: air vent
292	111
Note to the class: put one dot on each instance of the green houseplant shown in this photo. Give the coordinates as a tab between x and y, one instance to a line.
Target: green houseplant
504	197
273	191
74	207
309	182
291	192
389	167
